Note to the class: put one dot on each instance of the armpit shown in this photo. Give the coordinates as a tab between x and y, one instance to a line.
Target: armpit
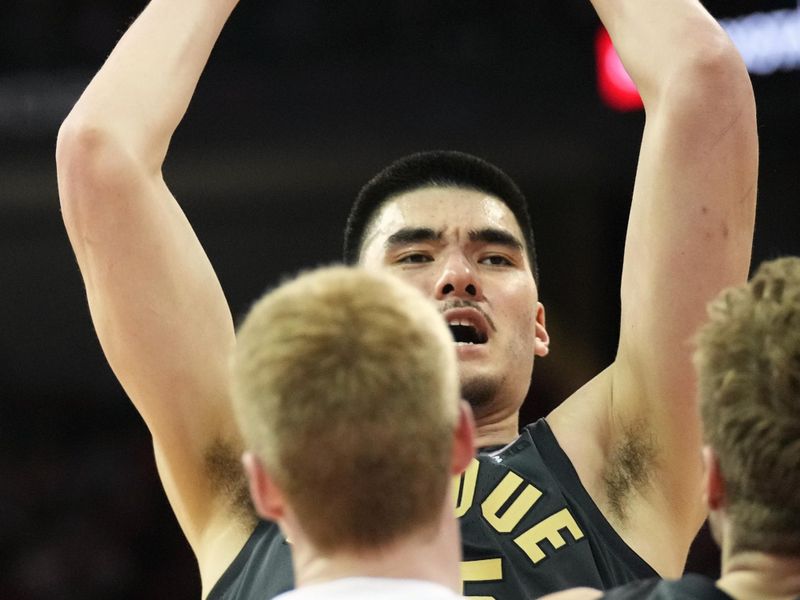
228	479
629	468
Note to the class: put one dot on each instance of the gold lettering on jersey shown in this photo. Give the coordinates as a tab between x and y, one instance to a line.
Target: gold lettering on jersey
490	569
527	495
519	507
464	488
549	530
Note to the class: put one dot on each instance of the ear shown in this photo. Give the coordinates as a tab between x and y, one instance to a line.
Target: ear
267	497
541	345
713	483
463	439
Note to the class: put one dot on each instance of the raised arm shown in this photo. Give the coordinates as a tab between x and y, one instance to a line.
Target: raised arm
689	235
157	306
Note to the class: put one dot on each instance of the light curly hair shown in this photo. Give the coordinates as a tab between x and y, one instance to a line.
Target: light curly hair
748	361
345	384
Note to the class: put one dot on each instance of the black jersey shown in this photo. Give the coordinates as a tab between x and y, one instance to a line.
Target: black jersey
262	569
528	527
689	587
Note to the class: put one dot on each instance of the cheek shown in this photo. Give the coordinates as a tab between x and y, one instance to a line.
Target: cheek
520	323
523	304
524	309
526	337
419	278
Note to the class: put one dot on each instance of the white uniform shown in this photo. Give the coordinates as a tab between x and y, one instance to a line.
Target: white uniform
372	588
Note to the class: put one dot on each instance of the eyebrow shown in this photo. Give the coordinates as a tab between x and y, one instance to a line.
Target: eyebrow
409	235
492	235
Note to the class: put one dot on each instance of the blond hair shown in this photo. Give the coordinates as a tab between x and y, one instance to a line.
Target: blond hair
748	361
345	384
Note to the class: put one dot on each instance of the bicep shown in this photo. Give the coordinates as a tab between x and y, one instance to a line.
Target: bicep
162	321
689	236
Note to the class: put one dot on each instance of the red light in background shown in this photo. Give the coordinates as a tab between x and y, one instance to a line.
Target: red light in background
615	86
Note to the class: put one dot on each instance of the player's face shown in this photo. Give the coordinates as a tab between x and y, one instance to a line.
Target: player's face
465	250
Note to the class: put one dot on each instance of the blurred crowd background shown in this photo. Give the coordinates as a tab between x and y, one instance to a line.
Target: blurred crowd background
302	102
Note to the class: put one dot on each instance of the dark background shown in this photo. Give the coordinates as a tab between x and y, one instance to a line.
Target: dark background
301	103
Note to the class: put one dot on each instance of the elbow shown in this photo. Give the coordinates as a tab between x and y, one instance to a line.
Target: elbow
709	96
92	168
710	69
716	66
704	66
81	150
77	146
81	147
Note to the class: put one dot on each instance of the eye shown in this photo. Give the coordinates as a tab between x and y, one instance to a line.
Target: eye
414	258
496	260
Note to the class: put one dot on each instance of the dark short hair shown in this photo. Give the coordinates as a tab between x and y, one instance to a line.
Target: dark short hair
443	168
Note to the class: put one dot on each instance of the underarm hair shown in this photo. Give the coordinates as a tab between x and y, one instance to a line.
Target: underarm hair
629	468
224	468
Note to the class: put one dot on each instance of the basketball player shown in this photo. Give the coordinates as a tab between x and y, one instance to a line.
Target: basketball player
345	379
606	488
748	363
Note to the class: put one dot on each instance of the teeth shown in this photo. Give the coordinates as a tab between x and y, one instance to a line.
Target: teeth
465	332
462	322
456	322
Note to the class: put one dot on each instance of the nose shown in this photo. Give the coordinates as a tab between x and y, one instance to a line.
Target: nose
458	280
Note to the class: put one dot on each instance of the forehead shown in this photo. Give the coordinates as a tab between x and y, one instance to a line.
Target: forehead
454	211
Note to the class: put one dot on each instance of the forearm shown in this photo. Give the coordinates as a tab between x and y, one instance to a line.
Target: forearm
143	90
668	42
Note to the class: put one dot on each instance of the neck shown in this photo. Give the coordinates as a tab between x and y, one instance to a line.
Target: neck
762	576
432	555
496	429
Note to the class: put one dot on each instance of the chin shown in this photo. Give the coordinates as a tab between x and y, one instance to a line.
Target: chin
480	392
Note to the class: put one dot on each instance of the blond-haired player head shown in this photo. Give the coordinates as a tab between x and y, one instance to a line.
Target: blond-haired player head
345	386
748	360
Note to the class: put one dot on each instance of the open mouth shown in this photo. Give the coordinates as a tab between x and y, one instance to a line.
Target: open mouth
466	333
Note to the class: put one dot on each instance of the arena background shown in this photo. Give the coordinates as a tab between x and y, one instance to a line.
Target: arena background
301	103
